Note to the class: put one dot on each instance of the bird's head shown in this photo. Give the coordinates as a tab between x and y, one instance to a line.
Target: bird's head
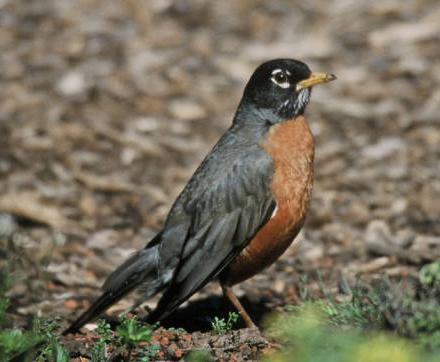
282	87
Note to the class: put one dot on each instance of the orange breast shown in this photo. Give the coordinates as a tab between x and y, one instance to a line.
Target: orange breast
291	146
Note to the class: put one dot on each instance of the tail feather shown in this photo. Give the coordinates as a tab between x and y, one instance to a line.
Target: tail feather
99	306
140	269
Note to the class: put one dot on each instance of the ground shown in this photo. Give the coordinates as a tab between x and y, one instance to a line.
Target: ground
107	108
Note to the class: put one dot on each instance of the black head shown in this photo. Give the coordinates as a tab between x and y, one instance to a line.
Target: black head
283	87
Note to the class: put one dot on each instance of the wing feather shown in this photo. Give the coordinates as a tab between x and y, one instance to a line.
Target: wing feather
225	215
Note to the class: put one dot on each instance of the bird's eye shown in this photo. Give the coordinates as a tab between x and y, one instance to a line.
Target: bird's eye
280	78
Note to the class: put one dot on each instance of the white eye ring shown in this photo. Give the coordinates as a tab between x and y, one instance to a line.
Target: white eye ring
280	78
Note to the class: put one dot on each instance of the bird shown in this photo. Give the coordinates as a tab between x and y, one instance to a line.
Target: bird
241	209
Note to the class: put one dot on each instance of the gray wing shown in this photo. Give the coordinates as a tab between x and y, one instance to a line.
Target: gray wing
222	209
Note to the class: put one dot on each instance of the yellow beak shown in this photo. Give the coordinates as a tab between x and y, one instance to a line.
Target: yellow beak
315	78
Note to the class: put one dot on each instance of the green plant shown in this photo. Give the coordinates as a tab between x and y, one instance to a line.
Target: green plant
38	344
145	354
53	351
359	327
430	274
50	349
15	343
308	335
131	332
109	345
360	310
99	348
220	326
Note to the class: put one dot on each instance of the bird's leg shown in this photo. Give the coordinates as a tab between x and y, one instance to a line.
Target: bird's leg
228	293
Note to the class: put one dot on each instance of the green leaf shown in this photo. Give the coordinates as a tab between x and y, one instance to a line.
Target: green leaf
133	332
14	342
61	355
430	274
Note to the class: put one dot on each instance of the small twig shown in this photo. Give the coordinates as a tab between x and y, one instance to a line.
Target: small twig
146	146
110	184
29	206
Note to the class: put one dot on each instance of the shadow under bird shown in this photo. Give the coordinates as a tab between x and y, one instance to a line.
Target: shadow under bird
240	210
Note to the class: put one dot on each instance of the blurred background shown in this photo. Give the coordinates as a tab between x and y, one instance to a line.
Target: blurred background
107	108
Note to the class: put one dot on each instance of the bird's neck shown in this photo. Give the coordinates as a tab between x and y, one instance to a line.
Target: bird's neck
252	116
261	119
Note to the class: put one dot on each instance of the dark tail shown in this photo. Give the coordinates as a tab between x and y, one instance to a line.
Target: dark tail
139	269
99	306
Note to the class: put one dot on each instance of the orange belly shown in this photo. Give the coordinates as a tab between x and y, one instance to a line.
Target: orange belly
291	146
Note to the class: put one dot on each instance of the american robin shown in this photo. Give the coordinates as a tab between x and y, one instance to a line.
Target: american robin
243	206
